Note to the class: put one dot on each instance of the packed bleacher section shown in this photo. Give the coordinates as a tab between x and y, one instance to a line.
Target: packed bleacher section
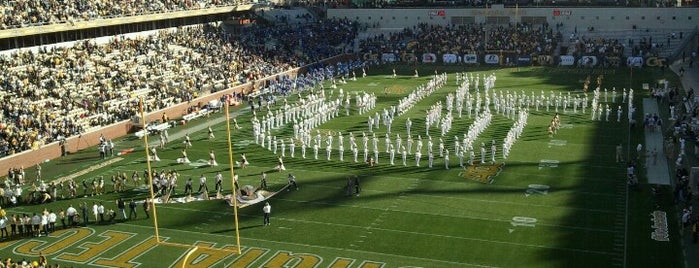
53	93
596	46
512	3
465	39
24	13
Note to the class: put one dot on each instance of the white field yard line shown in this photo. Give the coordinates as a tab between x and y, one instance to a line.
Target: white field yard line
321	247
92	168
399	211
477	199
431	235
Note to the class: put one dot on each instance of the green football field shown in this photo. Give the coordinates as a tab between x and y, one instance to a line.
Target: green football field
556	201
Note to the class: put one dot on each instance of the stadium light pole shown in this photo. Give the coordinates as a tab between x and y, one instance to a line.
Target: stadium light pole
150	173
230	163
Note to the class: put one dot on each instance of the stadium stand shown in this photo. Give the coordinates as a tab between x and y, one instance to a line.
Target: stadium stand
27	13
64	91
523	38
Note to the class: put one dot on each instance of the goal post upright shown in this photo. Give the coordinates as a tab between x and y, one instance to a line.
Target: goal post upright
192	248
150	172
234	189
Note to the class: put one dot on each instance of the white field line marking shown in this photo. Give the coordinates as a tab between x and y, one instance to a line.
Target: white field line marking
480	200
400	211
321	247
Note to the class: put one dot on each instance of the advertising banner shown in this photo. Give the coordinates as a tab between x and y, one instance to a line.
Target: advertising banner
491	59
567	60
429	58
524	60
588	61
388	57
449	58
470	58
634	62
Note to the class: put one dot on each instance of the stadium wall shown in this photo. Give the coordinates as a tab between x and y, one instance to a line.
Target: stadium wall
611	18
53	150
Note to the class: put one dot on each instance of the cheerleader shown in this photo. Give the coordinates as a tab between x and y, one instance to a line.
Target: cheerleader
211	134
280	164
187	141
243	161
183	159
154	155
212	159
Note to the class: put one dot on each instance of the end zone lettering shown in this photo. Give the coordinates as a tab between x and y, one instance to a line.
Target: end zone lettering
75	246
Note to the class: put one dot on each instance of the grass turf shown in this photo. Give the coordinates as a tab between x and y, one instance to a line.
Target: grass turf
404	216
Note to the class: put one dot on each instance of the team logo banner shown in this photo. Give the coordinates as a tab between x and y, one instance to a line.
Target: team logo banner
408	57
634	62
371	57
588	61
524	60
656	61
614	61
471	58
543	60
567	60
388	57
429	58
449	58
491	59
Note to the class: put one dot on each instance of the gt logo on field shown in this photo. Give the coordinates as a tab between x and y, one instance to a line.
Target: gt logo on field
523	221
484	173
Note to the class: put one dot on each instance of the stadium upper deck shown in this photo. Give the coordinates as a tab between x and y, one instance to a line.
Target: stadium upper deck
27	13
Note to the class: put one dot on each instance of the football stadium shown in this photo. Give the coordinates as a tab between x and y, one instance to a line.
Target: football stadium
349	134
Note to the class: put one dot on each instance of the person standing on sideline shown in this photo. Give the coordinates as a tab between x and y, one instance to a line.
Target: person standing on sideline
267	209
619	153
357	187
121	205
263	181
188	187
146	208
202	184
292	182
70	214
132	210
84	209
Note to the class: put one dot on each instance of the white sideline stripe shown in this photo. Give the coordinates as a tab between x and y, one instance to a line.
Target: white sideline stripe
320	247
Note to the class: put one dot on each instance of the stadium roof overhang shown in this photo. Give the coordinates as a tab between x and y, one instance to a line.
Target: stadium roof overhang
82	25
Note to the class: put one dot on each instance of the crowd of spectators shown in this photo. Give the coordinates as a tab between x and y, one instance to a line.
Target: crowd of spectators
522	38
513	3
23	13
596	46
53	93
